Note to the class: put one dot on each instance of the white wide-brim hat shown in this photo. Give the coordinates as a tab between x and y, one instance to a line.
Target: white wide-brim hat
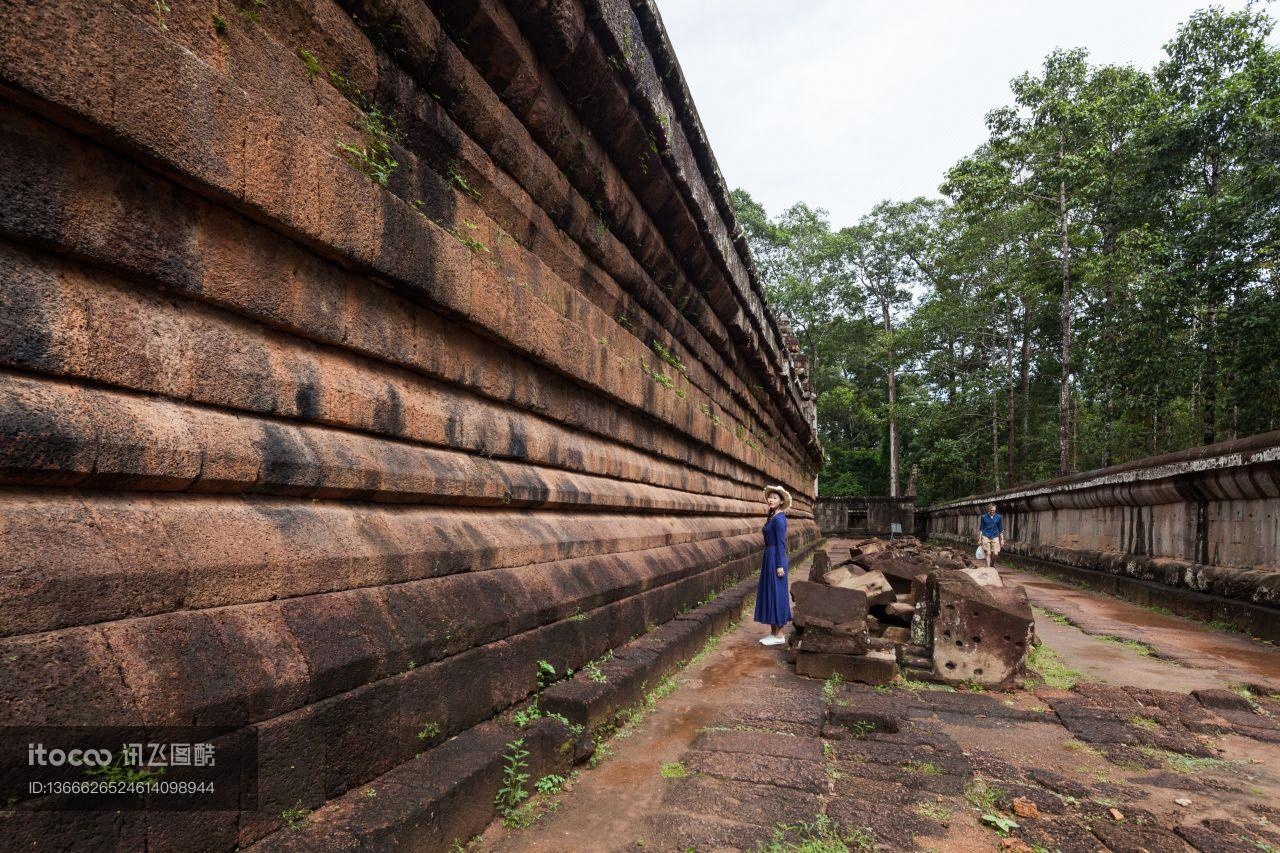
782	493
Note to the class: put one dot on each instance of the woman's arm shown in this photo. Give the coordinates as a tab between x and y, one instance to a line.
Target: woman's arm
782	541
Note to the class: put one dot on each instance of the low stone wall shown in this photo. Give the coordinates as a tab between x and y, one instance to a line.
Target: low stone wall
1204	522
356	355
864	516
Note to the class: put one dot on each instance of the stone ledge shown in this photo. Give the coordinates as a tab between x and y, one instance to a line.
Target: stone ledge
1227	599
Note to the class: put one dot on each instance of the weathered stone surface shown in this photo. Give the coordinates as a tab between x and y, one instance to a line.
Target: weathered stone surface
873	585
979	634
842	640
1191	531
338	461
984	576
828	606
871	668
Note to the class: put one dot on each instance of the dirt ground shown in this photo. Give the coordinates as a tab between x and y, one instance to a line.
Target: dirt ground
746	755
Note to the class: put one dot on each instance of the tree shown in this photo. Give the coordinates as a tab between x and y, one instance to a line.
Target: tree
1218	150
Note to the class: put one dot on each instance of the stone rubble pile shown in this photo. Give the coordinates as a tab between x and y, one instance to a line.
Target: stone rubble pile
873	608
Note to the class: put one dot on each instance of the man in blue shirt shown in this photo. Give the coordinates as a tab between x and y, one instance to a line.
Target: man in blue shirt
991	532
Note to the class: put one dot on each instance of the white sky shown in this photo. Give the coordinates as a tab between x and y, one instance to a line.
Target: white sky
843	103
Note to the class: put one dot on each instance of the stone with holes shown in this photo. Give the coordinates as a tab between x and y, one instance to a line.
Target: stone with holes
980	634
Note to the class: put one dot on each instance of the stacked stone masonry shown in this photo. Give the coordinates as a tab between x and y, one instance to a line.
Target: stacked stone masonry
355	355
1196	532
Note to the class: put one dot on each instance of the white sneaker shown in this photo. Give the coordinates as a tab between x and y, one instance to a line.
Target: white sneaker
773	641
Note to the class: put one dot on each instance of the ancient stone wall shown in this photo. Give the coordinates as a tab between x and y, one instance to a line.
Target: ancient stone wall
863	516
354	356
1204	522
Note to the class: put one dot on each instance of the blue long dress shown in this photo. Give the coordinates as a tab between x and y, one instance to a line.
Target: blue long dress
773	598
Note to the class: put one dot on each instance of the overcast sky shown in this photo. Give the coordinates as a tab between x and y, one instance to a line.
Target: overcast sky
843	103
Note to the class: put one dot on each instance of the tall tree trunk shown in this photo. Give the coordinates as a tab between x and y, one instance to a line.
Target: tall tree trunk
893	407
1210	379
1025	359
951	372
1108	255
1008	376
1064	391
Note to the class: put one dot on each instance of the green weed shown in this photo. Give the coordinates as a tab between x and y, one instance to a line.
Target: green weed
933	811
374	157
296	816
924	768
672	770
1053	672
1187	763
458	180
510	798
822	835
429	730
549	785
310	62
982	796
1144	723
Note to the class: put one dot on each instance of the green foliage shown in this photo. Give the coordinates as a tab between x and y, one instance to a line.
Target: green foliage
672	770
1135	646
429	730
310	62
1053	672
1001	823
457	179
831	685
1098	286
219	24
374	157
669	357
549	785
511	796
295	816
822	835
982	796
250	10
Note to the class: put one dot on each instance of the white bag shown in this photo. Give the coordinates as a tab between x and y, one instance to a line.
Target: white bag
979	554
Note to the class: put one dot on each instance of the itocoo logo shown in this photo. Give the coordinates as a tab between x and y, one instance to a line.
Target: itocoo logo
39	756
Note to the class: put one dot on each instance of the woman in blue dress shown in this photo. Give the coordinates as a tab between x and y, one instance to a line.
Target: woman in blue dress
773	597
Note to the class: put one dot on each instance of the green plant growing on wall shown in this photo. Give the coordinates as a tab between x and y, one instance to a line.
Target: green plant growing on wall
374	158
311	63
458	180
512	794
429	730
669	357
219	24
249	10
162	9
296	816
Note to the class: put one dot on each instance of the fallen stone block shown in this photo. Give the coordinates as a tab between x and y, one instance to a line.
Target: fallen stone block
874	585
897	634
818	639
900	609
984	576
871	668
980	633
819	565
837	576
828	606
